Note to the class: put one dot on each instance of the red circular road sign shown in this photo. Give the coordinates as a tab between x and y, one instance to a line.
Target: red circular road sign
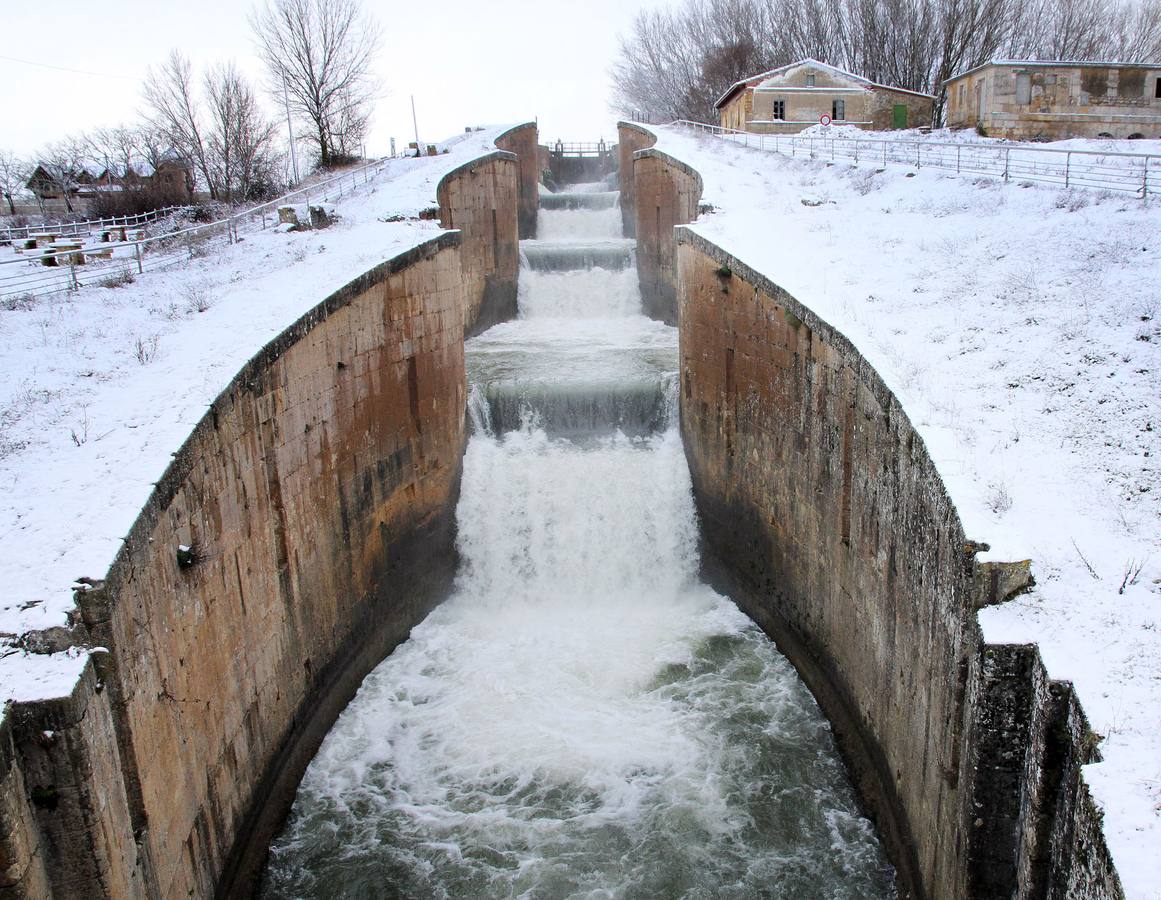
824	119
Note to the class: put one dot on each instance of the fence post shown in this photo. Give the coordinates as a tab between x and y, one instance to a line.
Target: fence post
1145	182
856	143
1007	159
918	150
957	149
137	252
1068	167
884	154
75	286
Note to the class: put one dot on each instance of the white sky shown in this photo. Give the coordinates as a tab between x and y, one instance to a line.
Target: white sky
467	63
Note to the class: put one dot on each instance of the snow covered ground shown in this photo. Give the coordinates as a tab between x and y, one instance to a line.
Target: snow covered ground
1021	329
98	388
1019	326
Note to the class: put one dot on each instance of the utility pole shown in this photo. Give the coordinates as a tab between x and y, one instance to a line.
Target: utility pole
415	122
290	131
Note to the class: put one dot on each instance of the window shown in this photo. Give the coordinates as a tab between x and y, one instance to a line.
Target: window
1157	89
779	109
1023	88
838	110
810	80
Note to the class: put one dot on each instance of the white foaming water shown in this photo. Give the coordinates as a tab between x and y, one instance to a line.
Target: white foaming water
582	718
579	294
578	224
586	187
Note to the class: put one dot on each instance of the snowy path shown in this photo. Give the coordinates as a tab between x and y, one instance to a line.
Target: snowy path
1021	329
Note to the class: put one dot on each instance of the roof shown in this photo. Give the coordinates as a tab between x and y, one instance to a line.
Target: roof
1057	64
754	80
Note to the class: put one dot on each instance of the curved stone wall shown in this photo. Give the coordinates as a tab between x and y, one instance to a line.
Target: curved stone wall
523	140
667	192
301	531
631	137
824	516
481	199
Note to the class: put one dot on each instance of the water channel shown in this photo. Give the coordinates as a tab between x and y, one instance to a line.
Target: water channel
583	718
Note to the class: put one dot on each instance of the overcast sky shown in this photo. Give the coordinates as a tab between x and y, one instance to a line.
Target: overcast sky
467	62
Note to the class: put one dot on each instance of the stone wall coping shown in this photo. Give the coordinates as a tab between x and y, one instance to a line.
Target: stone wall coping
654	153
637	126
473	164
513	129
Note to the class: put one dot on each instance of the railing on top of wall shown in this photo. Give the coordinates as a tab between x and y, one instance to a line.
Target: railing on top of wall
40	274
1134	173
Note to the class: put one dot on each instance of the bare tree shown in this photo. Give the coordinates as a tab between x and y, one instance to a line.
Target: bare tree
173	110
320	52
14	174
1136	32
223	132
65	165
240	137
115	148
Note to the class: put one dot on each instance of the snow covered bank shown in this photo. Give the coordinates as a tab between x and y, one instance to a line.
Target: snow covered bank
1018	327
98	389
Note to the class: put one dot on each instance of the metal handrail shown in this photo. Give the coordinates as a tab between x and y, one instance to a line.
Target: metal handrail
66	277
1007	161
12	232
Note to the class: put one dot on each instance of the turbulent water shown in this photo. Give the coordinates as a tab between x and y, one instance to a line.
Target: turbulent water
582	718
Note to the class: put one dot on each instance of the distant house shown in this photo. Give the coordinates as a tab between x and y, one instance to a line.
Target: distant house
793	97
1033	100
49	182
174	176
76	190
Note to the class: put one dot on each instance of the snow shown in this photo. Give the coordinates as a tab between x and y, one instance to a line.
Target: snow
99	388
1021	329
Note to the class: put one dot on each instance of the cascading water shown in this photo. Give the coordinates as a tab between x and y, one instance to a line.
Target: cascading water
582	718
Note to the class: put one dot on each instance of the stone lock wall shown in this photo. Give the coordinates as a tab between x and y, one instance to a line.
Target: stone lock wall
67	831
630	138
523	141
826	520
482	199
300	532
666	194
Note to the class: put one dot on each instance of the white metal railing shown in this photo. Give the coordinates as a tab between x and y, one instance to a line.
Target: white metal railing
39	273
74	229
1134	173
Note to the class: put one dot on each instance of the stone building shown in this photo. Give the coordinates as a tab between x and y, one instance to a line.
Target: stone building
1032	100
793	97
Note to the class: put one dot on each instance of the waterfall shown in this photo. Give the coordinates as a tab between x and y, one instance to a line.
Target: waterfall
583	717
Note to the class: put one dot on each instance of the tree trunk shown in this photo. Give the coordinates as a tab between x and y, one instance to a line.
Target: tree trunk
324	150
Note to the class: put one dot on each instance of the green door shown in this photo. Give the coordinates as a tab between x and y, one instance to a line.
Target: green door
899	116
